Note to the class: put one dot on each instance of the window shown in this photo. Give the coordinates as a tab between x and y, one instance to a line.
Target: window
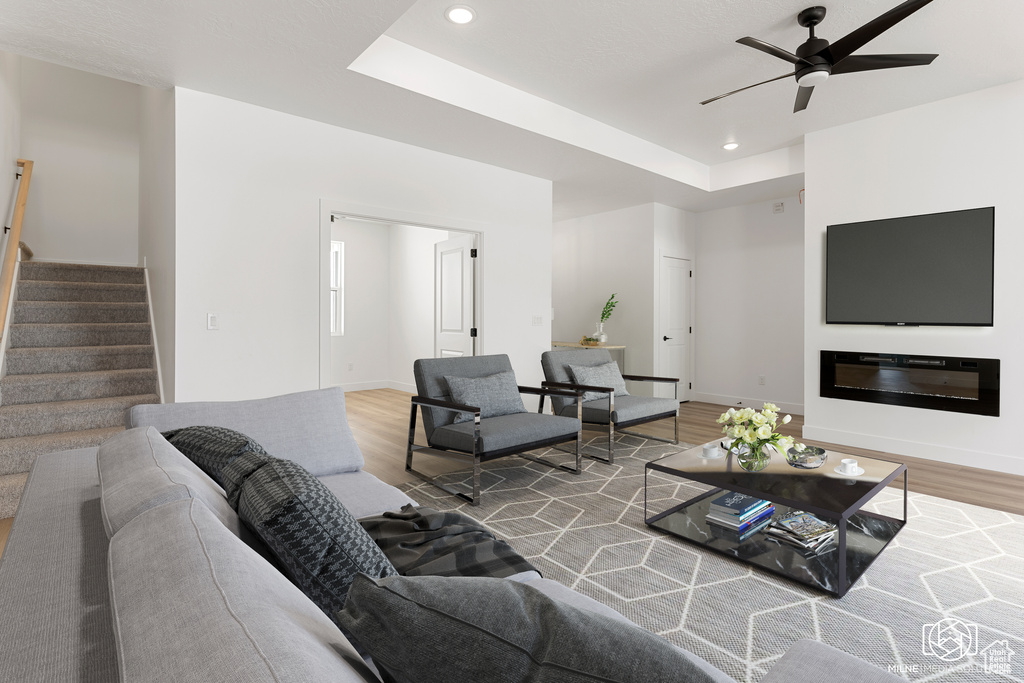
337	288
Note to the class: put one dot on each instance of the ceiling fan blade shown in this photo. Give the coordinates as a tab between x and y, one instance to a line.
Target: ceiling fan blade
803	96
844	47
872	62
771	49
778	78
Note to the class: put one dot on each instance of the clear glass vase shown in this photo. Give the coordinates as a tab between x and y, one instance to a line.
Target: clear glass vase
599	333
753	458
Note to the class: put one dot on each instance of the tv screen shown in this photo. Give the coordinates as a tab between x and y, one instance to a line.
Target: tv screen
935	269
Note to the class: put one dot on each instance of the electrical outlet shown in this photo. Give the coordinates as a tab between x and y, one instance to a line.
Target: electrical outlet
538	320
351	367
213	321
760	379
778	207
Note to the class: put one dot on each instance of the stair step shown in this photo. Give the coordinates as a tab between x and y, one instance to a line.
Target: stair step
80	272
35	335
46	290
43	360
11	486
67	416
79	312
73	386
18	454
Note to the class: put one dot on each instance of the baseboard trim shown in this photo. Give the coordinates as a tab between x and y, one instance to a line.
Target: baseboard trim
995	462
744	402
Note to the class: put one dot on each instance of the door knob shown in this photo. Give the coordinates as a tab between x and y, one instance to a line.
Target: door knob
665	338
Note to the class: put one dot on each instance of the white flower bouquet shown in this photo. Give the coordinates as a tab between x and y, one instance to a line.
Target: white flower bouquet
751	431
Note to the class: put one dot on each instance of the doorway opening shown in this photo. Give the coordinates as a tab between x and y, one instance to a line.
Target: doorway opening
401	290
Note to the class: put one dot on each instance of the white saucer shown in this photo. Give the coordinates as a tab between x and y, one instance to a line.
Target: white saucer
721	454
855	472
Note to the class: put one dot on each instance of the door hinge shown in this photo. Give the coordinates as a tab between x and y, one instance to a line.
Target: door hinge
472	332
691	330
691	273
472	253
691	384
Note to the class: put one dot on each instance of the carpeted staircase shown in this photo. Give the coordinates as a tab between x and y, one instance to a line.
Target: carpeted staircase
80	353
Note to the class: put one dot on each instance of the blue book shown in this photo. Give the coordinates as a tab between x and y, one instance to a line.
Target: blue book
737	524
738	504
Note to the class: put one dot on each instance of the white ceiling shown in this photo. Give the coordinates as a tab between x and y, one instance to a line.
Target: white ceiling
638	68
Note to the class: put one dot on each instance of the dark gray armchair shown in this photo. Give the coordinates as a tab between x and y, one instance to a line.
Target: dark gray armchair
605	407
489	421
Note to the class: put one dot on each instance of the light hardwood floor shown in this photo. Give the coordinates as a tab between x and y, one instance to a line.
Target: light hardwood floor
380	422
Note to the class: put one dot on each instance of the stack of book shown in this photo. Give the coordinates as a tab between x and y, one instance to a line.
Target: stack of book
805	531
737	517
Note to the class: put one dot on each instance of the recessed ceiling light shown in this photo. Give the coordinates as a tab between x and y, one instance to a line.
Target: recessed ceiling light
460	14
730	146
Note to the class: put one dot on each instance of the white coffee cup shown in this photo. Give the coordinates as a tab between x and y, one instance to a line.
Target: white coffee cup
711	450
849	466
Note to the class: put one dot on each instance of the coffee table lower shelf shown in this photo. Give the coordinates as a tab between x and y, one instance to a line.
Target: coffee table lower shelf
866	536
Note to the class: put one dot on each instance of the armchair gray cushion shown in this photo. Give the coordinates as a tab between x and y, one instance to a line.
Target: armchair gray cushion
627	409
505	431
556	368
494	395
430	376
604	375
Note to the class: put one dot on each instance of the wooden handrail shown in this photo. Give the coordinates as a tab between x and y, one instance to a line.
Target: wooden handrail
14	240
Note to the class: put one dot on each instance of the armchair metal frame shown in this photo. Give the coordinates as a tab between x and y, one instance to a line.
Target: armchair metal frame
478	457
626	423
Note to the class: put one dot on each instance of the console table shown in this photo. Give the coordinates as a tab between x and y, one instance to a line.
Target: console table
620	350
861	535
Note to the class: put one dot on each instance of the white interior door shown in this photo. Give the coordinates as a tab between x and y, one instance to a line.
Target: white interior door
453	297
674	326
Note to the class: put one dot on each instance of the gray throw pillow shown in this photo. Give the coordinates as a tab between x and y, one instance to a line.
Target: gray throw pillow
494	395
506	631
606	375
318	542
211	448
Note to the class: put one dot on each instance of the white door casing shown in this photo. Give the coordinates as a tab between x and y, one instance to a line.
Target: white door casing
453	297
674	326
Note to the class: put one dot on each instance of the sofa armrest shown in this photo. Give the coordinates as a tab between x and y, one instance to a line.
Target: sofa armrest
810	661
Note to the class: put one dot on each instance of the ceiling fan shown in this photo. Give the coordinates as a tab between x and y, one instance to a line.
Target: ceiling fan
816	59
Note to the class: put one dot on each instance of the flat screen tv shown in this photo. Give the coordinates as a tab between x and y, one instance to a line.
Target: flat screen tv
935	269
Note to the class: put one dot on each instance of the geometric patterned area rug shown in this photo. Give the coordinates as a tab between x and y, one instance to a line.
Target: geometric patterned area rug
943	602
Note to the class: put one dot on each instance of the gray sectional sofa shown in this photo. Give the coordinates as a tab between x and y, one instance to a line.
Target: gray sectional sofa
125	563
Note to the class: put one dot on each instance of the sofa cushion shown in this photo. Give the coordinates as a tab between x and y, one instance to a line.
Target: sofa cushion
211	447
507	431
309	427
317	541
627	409
363	494
139	470
192	603
604	375
513	632
494	395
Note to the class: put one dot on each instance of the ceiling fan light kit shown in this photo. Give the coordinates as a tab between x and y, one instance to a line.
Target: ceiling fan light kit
816	59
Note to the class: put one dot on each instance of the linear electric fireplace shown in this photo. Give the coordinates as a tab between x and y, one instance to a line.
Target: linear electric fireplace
960	385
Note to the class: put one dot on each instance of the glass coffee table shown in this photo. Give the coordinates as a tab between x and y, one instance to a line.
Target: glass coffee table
839	498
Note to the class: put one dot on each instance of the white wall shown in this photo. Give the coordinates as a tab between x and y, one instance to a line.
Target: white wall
156	219
960	153
364	345
617	252
248	244
82	131
749	305
10	128
412	301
